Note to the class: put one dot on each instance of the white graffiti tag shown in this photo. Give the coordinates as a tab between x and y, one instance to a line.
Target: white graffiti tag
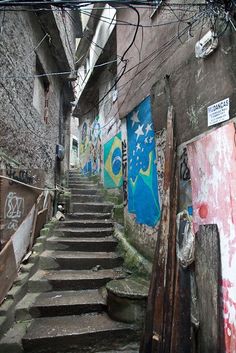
14	209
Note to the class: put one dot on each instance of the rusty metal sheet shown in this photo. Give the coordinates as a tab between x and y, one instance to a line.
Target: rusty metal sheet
8	271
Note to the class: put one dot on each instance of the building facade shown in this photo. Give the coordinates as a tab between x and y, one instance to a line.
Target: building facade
168	55
36	87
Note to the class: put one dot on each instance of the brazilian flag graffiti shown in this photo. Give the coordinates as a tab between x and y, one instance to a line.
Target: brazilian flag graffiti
143	199
113	162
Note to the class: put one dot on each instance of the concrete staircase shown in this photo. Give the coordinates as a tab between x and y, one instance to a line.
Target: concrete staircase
65	309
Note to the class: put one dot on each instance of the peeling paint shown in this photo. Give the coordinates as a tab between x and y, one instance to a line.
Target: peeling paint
213	175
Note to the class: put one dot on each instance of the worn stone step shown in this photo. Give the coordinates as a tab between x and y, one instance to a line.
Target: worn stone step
92	207
59	303
75	179
78	260
88	215
82	185
90	191
92	223
80	177
81	244
83	232
44	281
77	333
86	198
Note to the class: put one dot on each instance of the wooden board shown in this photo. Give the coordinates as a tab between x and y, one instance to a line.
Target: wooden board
181	326
208	279
161	287
41	220
8	271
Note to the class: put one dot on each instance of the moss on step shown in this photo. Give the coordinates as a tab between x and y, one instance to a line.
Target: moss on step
133	260
118	214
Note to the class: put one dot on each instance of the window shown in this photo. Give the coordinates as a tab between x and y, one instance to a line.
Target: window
41	91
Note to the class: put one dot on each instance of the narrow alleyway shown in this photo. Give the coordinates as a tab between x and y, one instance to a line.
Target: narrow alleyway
65	308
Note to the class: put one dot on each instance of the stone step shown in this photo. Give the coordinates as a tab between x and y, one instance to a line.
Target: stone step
81	244
86	198
81	180
85	191
97	223
44	281
92	207
88	215
77	333
79	185
83	232
61	303
78	260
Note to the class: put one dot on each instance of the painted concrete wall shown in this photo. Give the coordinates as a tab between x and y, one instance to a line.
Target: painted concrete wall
74	136
141	235
213	178
163	66
97	124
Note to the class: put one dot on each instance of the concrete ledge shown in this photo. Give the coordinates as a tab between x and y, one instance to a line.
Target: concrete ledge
20	285
132	259
127	299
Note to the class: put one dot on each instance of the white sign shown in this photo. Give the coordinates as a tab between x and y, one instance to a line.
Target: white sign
218	112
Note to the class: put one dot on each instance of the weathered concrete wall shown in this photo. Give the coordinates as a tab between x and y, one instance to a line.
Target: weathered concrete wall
67	26
194	83
98	121
165	67
25	135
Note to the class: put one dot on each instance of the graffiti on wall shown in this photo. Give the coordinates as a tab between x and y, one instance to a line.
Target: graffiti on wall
90	147
13	210
183	168
185	188
84	148
96	148
124	172
19	174
113	162
213	178
143	198
16	200
160	160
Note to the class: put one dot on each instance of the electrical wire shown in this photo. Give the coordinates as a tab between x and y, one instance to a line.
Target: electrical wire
122	59
11	98
148	6
163	50
76	4
48	74
57	188
125	23
168	45
150	58
67	37
16	65
28	125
